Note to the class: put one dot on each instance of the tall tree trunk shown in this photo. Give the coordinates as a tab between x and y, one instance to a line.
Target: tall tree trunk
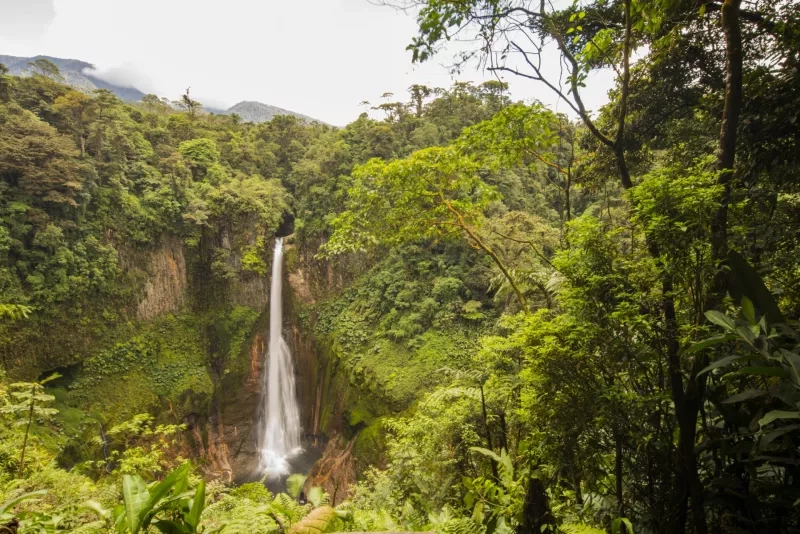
726	152
27	433
489	444
618	473
536	515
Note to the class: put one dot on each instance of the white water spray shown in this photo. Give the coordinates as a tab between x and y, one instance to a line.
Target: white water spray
279	436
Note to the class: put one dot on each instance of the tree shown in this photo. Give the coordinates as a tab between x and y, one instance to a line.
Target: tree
514	36
433	194
154	104
418	95
45	67
191	106
201	154
5	83
31	401
40	161
75	108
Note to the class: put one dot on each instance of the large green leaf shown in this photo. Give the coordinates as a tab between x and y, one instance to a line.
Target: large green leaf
135	496
294	484
145	501
616	525
748	310
722	362
745	395
709	342
720	319
198	503
315	496
793	361
16	500
771	436
746	282
777	414
486	452
160	490
120	518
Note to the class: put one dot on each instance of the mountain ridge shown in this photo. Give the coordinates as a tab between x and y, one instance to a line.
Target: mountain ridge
254	111
74	73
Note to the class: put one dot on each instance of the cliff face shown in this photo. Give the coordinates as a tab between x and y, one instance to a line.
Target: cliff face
222	416
188	347
166	284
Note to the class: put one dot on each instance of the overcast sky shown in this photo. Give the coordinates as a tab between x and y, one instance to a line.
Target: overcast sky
317	57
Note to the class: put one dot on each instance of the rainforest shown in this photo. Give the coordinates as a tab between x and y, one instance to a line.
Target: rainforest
460	313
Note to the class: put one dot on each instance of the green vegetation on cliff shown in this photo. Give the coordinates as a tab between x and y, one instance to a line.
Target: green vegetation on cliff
521	320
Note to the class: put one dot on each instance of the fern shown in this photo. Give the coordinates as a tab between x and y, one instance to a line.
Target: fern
289	510
461	525
456	391
581	528
14	312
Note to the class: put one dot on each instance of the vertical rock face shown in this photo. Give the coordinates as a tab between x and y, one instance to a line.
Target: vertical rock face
224	436
166	283
233	423
251	290
309	372
335	472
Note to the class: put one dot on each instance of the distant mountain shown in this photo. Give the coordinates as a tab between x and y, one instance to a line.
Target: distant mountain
74	73
256	112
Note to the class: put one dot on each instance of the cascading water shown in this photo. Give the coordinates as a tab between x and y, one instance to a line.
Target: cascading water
279	436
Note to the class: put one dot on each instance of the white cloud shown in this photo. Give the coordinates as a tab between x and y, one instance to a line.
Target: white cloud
317	57
126	75
25	20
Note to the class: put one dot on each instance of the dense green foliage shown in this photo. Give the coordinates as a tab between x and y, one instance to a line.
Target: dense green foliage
525	322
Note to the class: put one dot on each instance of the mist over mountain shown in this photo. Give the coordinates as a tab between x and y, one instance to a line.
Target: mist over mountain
74	72
85	77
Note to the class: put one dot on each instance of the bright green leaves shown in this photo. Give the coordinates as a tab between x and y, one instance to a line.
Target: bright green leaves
169	505
200	153
295	483
517	135
436	20
675	204
601	49
135	497
497	503
14	312
775	415
433	194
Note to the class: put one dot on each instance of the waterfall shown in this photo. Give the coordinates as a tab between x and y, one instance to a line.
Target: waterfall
279	435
